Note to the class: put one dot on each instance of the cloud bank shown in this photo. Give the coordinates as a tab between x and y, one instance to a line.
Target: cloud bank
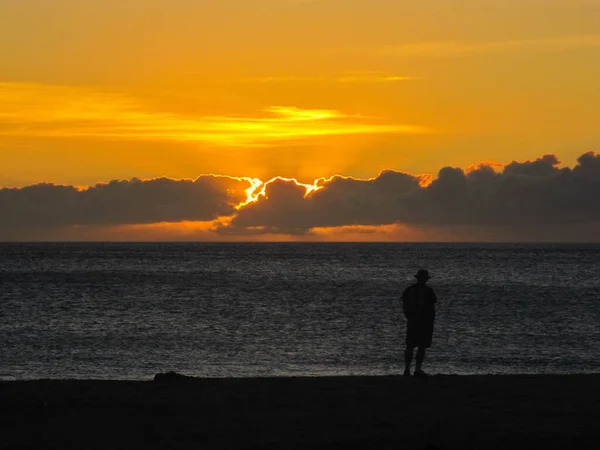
521	200
130	202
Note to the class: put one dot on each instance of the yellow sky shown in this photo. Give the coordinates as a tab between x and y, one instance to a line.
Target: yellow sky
101	89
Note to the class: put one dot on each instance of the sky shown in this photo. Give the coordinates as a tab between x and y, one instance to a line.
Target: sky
384	120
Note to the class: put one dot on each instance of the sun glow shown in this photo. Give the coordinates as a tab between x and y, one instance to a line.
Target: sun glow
255	184
258	189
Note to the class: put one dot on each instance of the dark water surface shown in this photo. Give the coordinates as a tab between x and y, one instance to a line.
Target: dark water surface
132	310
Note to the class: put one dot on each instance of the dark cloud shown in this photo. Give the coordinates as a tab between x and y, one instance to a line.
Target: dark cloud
134	201
529	200
541	167
523	197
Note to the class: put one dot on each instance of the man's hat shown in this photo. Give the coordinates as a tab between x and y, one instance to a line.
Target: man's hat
422	273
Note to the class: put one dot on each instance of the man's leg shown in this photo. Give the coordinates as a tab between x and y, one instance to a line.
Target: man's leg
420	358
408	357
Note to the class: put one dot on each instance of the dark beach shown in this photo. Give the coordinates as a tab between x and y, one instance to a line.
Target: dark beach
462	412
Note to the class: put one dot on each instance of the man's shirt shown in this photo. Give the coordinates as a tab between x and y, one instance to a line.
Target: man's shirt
418	300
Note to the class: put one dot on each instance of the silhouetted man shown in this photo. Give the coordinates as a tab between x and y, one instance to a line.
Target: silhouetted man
418	303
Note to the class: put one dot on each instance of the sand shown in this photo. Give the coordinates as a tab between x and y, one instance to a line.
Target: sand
446	412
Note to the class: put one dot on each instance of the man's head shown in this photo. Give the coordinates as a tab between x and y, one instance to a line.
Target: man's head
422	276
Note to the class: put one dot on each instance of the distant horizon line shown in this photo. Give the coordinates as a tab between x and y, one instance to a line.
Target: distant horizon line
315	242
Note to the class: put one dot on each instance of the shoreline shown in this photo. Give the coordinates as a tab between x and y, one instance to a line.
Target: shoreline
8	379
444	411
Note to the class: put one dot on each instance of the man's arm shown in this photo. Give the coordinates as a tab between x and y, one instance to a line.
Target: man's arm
434	299
407	302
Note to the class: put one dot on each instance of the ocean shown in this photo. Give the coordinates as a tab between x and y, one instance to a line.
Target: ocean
131	310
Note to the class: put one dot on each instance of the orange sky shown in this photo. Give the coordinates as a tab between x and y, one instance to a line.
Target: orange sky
96	90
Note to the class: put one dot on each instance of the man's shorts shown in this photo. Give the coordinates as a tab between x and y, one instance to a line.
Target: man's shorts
419	332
